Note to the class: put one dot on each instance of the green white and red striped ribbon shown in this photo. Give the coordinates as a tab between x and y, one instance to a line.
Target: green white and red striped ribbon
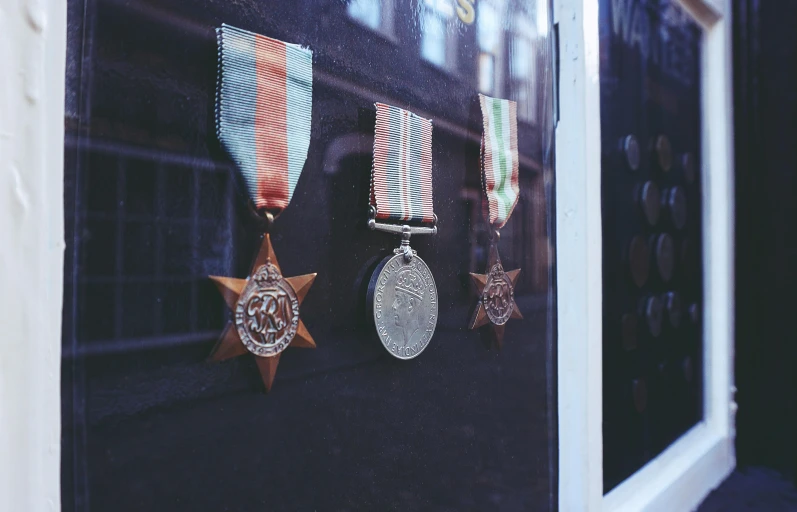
263	112
499	155
401	179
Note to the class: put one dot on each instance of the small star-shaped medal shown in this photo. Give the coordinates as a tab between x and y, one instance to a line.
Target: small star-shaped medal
496	303
266	313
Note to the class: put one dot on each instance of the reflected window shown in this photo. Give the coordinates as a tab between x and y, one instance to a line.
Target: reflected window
523	65
152	231
374	14
367	12
491	39
486	72
438	38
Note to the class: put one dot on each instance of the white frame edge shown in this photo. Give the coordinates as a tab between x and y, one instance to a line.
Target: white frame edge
680	477
579	258
32	56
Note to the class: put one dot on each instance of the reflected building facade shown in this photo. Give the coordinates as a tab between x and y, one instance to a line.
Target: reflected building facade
156	209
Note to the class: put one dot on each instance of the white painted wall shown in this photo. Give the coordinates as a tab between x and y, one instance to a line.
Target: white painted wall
32	56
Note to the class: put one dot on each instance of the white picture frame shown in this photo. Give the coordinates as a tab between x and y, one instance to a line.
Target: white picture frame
680	477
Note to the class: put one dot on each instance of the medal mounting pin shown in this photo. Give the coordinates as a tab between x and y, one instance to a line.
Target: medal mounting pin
262	217
405	230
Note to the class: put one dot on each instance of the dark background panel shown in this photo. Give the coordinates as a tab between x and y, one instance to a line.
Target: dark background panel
153	209
652	272
765	110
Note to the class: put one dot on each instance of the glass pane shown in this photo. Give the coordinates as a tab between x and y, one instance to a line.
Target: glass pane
155	206
652	232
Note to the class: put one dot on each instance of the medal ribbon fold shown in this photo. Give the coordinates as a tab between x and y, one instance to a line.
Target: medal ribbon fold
499	158
264	101
401	177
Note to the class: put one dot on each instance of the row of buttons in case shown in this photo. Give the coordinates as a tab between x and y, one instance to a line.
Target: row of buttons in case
660	152
663	209
653	309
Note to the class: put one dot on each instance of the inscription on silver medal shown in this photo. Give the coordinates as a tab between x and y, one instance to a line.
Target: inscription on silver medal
403	299
267	313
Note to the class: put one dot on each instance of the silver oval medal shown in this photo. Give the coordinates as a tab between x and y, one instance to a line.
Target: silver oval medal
402	296
267	313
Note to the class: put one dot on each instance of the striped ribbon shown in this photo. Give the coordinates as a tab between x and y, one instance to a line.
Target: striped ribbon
263	112
401	179
499	155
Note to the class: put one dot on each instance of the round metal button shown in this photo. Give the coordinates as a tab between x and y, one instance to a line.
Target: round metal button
663	153
665	258
672	304
630	148
675	199
628	327
649	201
690	167
639	260
640	393
653	315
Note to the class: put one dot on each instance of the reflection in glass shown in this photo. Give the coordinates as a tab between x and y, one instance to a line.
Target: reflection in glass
433	44
489	29
541	17
367	12
490	37
521	57
523	65
438	42
153	209
443	7
486	73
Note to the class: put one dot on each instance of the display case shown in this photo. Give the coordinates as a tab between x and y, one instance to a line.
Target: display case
644	225
155	204
194	306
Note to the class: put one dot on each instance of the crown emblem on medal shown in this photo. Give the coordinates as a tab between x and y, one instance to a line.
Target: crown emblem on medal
267	273
409	281
497	271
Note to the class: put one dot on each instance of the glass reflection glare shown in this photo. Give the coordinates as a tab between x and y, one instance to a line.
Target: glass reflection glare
542	18
486	73
489	36
438	41
522	65
367	12
489	30
433	43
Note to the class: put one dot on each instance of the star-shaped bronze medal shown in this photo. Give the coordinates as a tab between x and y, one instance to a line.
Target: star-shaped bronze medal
496	304
266	313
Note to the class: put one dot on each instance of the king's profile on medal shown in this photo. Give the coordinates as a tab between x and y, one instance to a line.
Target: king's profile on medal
407	305
402	295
